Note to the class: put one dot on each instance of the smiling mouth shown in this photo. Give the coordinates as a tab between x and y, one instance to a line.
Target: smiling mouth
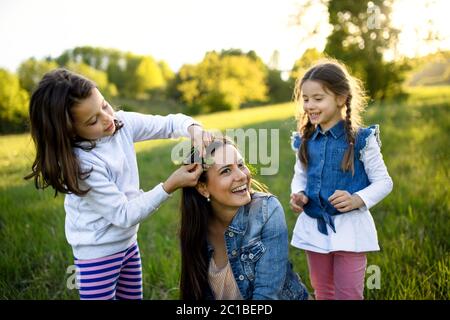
240	190
314	114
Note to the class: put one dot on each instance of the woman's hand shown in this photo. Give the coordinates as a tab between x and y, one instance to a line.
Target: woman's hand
200	138
298	200
344	201
185	176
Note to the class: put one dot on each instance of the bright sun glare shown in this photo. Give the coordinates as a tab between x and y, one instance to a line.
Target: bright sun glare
416	19
183	35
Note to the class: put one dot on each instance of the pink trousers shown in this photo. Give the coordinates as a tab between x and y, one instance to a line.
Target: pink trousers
337	275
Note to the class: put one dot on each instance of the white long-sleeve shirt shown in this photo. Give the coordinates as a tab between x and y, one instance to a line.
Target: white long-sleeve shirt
106	220
357	232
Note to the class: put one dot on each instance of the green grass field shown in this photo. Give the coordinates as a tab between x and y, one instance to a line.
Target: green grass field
412	222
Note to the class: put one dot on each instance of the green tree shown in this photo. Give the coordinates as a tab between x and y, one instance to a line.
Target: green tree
362	33
116	70
134	76
166	71
169	80
149	75
142	76
94	57
14	102
30	72
222	81
309	57
108	90
279	90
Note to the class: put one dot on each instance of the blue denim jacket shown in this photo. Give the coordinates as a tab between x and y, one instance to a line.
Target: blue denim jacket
257	247
324	173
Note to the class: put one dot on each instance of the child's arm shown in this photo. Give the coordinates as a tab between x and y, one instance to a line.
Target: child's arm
106	199
298	182
298	185
380	182
343	201
146	127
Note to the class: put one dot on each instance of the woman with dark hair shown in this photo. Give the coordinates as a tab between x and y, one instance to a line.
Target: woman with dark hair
234	241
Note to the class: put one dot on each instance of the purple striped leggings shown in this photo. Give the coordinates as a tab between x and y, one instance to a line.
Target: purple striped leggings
118	276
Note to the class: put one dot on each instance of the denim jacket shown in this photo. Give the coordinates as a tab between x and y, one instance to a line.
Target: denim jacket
324	174
257	248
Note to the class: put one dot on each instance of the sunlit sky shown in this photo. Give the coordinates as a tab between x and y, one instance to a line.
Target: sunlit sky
181	31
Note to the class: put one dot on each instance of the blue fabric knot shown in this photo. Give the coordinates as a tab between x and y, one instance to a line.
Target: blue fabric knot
323	221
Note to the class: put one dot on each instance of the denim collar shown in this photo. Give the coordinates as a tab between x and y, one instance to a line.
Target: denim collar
336	131
238	225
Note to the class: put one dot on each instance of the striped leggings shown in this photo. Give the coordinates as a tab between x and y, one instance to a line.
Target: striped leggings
118	276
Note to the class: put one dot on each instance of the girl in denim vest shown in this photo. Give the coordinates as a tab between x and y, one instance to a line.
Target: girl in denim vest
339	175
234	241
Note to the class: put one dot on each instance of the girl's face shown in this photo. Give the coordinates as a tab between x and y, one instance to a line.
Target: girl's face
93	117
322	107
228	180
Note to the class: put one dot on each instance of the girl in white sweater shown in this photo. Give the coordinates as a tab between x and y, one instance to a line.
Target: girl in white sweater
85	150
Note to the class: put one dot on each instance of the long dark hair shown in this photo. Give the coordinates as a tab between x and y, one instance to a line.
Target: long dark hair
334	77
53	131
195	214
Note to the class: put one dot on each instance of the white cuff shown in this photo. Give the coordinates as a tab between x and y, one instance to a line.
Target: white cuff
163	192
187	124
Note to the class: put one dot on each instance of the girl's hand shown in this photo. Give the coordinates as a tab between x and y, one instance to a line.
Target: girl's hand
200	138
344	201
185	176
298	200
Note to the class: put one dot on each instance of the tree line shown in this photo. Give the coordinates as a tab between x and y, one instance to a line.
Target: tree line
223	80
229	79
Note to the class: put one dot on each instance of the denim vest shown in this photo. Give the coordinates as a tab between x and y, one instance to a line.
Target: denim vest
257	249
324	174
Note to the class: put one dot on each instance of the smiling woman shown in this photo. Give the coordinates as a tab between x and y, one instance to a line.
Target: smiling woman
234	241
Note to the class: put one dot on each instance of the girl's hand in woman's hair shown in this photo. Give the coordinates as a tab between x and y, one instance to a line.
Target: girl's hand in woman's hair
344	201
298	200
200	138
185	176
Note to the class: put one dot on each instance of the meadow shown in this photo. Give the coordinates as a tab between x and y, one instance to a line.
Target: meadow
412	222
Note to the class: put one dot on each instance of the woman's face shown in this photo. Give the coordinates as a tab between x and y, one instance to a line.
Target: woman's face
93	117
228	180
